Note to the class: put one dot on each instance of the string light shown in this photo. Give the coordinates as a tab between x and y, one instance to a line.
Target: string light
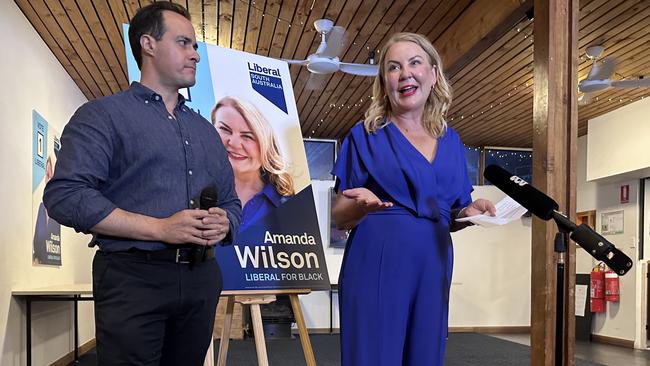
525	87
264	14
517	89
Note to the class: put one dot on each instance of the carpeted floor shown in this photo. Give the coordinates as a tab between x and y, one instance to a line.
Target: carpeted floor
462	349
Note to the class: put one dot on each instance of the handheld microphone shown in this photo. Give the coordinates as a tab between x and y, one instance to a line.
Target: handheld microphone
209	198
546	208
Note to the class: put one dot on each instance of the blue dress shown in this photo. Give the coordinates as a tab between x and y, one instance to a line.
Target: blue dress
396	272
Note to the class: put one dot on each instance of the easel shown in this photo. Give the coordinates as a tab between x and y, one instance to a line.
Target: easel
255	298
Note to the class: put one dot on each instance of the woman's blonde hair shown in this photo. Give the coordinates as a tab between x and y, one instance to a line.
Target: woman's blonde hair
272	163
435	109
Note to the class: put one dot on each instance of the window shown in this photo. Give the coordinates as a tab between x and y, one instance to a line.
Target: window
473	159
321	155
517	161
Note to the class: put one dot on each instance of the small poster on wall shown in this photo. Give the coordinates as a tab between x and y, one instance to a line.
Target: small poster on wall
611	223
46	247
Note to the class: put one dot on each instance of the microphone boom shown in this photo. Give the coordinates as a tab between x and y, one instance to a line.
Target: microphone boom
546	208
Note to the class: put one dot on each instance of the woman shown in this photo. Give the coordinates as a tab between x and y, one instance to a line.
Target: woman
402	180
261	181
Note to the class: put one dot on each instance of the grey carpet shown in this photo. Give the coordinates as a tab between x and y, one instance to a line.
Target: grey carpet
462	349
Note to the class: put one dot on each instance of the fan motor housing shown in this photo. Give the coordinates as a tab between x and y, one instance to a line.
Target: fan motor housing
590	86
323	65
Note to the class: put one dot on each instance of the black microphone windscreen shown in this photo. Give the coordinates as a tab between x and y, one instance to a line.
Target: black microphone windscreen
519	190
209	198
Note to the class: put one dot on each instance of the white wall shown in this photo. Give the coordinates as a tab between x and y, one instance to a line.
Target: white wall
586	193
618	142
619	321
32	78
614	153
492	272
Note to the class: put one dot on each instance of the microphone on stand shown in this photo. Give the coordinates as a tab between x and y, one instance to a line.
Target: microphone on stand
546	208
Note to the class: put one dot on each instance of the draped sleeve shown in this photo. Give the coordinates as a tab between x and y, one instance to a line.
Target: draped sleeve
465	194
374	161
349	169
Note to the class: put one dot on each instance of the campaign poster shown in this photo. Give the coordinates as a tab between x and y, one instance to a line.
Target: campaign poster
249	100
46	248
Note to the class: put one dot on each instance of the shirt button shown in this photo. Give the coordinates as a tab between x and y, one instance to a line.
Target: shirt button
191	202
169	117
146	102
157	97
187	142
189	172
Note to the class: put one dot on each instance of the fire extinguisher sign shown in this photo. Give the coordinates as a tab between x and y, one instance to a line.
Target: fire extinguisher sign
625	193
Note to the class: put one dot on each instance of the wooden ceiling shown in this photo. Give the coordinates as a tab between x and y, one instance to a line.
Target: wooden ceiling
489	62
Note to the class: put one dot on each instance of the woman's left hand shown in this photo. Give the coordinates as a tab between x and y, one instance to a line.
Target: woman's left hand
480	206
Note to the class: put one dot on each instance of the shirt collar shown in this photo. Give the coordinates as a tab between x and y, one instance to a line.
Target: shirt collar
272	194
145	93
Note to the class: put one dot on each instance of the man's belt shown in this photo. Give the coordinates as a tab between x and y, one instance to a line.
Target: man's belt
187	255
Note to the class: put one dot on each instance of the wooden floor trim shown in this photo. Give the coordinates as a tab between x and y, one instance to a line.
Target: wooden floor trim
612	341
491	330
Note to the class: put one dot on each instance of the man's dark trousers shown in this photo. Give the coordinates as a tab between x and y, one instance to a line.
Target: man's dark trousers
152	312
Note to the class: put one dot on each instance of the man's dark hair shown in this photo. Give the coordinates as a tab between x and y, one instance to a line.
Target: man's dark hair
149	20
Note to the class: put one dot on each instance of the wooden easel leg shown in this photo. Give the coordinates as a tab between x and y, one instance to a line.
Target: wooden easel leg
225	332
258	329
302	328
209	357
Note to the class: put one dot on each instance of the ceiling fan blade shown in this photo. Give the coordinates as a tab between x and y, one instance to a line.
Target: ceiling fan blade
602	70
316	81
638	83
359	69
295	62
335	42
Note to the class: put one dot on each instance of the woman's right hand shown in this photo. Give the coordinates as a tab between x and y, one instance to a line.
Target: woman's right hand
366	200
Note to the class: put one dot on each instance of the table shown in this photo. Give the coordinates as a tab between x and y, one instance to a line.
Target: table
71	292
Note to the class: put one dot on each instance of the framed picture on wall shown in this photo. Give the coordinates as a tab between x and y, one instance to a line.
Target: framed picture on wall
611	223
338	238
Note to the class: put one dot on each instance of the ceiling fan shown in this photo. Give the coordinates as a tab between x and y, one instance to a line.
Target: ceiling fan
325	60
599	77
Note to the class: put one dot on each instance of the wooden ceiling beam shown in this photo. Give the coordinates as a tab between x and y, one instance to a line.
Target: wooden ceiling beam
477	29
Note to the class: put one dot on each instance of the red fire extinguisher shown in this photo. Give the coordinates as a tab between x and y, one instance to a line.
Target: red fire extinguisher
597	292
612	286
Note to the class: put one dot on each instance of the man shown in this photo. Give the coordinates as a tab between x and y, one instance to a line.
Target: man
131	170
